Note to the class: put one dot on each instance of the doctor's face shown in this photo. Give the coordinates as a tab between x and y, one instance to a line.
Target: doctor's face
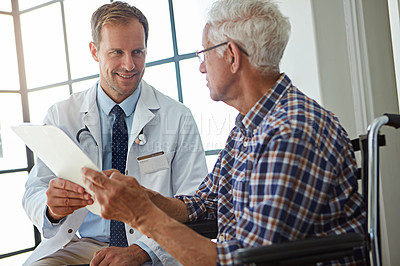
121	55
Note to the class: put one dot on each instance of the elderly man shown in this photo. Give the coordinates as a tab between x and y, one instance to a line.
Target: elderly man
287	170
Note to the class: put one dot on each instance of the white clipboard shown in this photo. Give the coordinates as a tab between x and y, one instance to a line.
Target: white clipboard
64	158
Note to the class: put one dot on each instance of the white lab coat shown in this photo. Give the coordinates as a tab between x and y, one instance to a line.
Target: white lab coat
169	127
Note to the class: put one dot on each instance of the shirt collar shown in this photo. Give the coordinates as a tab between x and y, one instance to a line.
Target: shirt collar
128	105
264	105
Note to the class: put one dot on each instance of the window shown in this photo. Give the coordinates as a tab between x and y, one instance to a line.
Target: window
46	58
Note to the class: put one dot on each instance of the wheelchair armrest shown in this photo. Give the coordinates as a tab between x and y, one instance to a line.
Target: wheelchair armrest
303	251
207	228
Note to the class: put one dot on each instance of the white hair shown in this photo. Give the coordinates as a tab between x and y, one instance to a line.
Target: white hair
257	26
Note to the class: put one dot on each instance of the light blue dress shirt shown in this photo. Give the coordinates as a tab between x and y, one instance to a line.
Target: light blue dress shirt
101	232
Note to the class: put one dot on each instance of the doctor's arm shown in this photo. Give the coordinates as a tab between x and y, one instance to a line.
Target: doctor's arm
35	199
40	200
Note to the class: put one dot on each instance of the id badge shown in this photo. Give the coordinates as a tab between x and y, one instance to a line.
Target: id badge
152	162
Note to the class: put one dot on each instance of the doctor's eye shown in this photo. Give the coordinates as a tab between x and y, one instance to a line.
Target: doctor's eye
139	52
117	52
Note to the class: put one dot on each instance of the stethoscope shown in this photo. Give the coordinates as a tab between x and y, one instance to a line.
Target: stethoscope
83	130
141	139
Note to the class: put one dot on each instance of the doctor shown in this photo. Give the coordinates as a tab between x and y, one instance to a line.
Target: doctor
164	150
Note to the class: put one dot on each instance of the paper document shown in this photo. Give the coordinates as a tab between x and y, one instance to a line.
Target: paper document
59	153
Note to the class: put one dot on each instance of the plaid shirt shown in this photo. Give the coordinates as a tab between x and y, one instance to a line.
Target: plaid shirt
287	172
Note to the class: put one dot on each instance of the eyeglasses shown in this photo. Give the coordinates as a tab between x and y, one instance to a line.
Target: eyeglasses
200	54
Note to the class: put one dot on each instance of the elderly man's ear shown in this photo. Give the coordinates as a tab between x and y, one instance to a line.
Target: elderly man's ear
234	54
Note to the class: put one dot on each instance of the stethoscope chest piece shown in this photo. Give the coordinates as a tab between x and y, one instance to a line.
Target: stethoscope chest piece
141	139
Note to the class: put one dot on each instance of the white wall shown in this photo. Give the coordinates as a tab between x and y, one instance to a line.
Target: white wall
300	58
358	83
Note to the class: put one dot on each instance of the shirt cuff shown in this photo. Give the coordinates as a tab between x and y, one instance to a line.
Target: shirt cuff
153	257
191	209
50	229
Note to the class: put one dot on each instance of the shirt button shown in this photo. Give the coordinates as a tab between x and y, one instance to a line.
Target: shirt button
245	144
70	231
131	231
221	238
254	131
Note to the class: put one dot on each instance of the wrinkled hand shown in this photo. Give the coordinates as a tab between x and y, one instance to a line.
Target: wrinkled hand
120	197
64	197
132	255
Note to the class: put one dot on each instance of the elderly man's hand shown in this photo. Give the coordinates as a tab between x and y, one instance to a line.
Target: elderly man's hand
120	197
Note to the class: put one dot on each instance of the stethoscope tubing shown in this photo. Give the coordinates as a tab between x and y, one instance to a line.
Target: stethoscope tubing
80	132
140	140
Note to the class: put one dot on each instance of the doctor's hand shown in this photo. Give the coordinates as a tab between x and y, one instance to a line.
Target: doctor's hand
120	197
132	256
64	197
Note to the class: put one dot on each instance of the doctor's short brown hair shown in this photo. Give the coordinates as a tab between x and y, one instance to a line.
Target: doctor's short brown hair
116	12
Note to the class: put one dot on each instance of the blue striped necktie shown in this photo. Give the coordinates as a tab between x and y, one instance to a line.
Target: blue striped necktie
119	153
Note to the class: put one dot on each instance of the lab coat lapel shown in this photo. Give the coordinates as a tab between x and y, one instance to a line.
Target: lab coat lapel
144	111
90	116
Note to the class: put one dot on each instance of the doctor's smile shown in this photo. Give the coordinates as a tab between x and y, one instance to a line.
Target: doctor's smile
125	76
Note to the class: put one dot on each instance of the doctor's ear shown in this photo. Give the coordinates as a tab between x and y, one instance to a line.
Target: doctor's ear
93	51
